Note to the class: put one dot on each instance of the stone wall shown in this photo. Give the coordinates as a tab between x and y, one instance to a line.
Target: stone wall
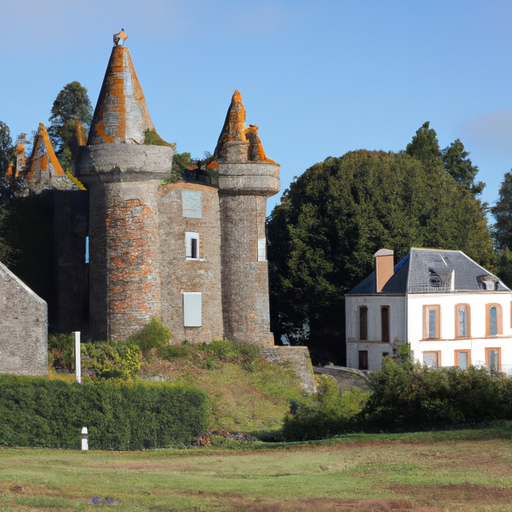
23	328
346	378
297	359
190	212
245	292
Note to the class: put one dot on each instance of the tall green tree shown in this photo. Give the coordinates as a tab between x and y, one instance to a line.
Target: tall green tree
5	249
460	167
335	216
502	229
70	120
6	148
502	211
425	146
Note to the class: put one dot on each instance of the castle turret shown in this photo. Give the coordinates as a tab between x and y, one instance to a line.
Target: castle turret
246	179
122	173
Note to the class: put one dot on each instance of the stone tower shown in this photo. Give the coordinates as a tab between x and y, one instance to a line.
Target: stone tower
246	179
122	174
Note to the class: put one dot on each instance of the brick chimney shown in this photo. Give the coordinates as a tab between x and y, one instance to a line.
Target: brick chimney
384	263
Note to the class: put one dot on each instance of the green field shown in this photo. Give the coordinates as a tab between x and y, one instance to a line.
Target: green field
443	471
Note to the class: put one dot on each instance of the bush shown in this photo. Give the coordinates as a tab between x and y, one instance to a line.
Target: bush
110	359
61	348
152	335
119	415
408	396
326	414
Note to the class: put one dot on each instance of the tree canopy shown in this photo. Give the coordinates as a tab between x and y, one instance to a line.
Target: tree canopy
331	221
6	148
69	122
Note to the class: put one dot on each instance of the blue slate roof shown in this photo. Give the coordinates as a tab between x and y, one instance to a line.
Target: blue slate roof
432	271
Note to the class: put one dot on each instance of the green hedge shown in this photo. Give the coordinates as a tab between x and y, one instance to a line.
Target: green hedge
119	415
408	396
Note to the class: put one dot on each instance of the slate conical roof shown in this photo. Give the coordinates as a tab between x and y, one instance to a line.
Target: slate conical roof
234	125
234	130
121	115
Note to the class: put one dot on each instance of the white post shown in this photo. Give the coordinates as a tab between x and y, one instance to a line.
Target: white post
78	361
85	439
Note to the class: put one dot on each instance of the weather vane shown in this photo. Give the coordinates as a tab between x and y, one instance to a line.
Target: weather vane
121	36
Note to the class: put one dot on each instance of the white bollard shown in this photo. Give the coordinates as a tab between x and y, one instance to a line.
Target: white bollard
78	360
85	439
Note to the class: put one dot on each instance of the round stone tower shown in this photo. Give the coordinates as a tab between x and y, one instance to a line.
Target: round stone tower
122	173
246	179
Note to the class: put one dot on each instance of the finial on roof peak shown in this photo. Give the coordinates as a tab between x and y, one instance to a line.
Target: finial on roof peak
120	36
237	97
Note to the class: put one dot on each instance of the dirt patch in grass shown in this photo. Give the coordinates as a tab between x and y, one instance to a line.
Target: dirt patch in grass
455	493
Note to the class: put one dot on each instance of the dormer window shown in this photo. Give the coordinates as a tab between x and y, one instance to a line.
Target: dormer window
487	282
434	279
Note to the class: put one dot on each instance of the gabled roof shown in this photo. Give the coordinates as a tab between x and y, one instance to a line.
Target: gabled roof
433	271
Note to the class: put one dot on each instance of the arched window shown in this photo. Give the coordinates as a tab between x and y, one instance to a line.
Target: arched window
493	319
431	317
462	321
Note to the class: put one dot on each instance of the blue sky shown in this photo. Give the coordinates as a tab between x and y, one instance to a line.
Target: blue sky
319	78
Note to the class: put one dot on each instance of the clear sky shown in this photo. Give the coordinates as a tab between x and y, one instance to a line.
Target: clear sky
319	77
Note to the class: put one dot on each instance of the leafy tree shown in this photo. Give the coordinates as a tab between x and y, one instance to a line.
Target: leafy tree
502	212
6	148
424	145
5	249
460	167
335	216
70	119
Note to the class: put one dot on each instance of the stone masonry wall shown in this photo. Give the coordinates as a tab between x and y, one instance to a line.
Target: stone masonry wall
132	247
297	358
244	270
23	328
190	208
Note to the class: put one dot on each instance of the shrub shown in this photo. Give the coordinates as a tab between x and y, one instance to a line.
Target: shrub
152	335
61	349
112	359
119	415
411	397
326	414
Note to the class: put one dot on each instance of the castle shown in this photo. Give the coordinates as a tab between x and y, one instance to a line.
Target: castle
192	255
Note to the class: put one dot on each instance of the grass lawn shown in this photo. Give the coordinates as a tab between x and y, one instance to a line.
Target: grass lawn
444	471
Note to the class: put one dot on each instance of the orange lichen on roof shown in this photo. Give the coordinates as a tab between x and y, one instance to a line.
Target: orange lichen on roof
42	156
121	114
234	125
256	152
10	173
19	150
21	161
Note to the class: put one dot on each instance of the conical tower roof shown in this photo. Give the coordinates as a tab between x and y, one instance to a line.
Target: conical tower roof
234	125
121	114
44	164
234	133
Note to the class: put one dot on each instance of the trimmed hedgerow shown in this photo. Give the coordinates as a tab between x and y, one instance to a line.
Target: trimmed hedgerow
120	415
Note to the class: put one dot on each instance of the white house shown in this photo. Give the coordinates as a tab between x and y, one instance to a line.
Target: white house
452	311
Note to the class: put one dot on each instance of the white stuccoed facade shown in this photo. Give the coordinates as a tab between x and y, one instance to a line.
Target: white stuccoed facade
466	285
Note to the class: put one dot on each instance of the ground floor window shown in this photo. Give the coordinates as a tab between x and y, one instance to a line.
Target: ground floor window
463	359
493	359
363	360
432	359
